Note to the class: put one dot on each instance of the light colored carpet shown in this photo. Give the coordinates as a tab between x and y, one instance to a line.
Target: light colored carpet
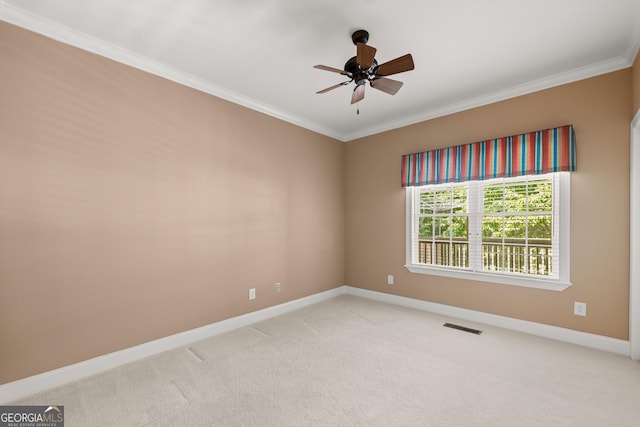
350	361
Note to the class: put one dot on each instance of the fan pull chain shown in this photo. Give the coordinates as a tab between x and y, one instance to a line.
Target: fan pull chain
358	109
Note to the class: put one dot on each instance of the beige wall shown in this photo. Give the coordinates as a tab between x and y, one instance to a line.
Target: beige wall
600	110
132	208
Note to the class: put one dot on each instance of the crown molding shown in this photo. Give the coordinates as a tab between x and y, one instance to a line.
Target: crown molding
58	32
634	43
53	30
571	76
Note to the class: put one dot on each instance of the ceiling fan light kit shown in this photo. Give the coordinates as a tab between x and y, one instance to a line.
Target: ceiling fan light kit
363	68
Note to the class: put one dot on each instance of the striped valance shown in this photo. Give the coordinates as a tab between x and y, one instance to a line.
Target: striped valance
544	151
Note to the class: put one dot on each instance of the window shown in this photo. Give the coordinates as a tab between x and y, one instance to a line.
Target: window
507	230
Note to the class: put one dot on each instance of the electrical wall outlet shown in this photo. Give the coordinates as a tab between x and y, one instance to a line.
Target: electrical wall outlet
278	288
580	308
252	293
389	279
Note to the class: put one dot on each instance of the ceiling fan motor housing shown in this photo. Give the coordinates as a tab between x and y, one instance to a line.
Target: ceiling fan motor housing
360	76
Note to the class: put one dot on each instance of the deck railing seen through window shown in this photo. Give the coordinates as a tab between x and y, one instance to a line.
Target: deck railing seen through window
524	256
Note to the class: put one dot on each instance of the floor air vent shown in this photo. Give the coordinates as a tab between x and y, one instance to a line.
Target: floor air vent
462	328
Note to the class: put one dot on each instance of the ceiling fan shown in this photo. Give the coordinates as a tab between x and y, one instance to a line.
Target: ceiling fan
363	68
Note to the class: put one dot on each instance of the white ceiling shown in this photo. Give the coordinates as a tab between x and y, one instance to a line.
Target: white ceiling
260	53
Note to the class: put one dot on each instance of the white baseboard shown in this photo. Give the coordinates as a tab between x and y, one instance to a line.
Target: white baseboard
47	380
599	342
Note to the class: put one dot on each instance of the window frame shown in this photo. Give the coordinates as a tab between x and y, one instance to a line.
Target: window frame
562	282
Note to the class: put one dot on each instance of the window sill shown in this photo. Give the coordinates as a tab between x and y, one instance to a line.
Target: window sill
502	279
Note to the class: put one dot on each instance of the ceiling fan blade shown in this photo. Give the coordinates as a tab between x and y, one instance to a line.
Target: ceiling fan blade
334	87
358	94
365	56
333	70
387	85
395	66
